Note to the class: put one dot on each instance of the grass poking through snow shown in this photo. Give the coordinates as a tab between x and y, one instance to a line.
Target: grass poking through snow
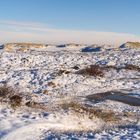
91	112
10	96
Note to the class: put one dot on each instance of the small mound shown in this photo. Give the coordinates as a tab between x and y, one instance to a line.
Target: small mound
23	47
131	45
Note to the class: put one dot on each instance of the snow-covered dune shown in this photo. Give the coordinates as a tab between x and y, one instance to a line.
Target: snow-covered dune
54	81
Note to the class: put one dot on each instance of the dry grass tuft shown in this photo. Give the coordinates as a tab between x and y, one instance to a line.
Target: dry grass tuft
133	44
60	72
15	101
5	93
132	67
52	84
91	112
93	70
98	70
10	96
21	46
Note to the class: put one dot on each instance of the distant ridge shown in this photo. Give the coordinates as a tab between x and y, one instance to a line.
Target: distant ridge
131	45
24	47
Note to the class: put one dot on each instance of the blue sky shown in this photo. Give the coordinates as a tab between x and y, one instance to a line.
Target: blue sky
118	16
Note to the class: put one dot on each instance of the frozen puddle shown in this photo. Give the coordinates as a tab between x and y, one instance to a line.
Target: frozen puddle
115	96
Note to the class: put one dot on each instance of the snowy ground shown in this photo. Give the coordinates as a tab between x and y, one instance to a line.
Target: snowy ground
49	77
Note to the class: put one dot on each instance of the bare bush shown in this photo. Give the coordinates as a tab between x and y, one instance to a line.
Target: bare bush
98	70
60	72
93	70
10	96
132	67
52	84
15	101
5	93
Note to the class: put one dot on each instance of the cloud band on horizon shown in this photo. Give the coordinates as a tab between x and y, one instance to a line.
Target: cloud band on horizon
13	31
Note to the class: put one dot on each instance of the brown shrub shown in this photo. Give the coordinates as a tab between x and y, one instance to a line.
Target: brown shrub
98	70
30	104
93	70
46	92
9	95
68	105
76	68
132	67
126	67
36	105
15	101
51	84
5	93
60	72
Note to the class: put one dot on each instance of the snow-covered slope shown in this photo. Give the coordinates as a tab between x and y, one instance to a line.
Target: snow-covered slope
48	75
131	45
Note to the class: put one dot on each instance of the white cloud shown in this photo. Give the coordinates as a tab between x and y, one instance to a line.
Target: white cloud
13	31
